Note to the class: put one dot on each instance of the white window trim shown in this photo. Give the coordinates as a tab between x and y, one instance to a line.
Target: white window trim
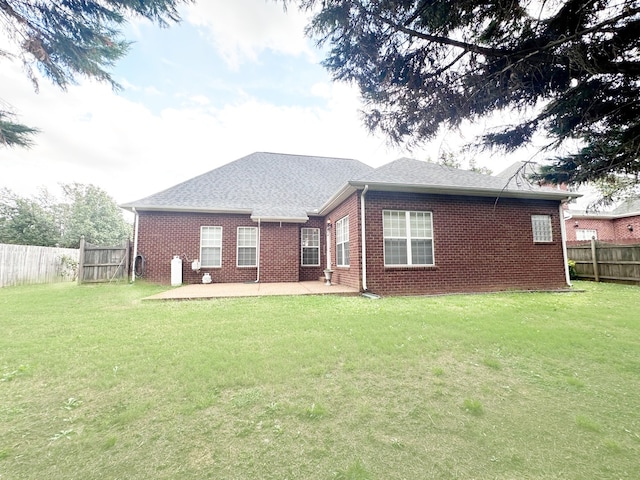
340	246
408	238
202	265
238	247
548	228
303	247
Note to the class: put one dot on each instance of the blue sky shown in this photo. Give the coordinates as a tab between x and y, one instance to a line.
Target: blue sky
233	78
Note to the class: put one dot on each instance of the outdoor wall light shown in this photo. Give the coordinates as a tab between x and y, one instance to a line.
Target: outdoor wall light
328	223
575	225
630	227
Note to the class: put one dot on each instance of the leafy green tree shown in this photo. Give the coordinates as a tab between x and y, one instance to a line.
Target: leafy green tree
90	211
568	68
46	221
68	39
26	222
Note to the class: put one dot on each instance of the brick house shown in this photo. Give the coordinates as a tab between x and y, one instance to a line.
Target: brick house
620	225
408	227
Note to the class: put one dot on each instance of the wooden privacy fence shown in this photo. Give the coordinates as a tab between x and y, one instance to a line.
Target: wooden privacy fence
27	264
103	264
602	261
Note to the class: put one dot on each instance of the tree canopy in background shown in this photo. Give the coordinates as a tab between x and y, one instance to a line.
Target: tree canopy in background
46	221
569	69
67	39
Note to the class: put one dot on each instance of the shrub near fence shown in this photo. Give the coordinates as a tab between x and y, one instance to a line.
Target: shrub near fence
24	264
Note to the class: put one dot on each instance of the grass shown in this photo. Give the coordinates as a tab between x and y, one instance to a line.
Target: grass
95	383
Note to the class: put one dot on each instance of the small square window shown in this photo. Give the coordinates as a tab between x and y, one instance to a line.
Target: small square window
541	226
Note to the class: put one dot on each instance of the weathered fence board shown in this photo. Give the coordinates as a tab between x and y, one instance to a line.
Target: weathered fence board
103	264
27	264
602	261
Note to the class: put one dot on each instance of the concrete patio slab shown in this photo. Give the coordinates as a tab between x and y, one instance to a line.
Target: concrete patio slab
224	290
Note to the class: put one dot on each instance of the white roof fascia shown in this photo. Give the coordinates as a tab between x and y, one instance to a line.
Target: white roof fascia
268	219
152	208
604	216
468	191
336	199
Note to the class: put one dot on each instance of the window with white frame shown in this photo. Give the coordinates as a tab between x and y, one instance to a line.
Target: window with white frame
310	243
408	238
211	247
342	242
586	234
247	246
541	226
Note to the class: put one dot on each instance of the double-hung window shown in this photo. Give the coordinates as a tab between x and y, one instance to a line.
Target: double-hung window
342	242
541	226
211	247
247	247
408	238
586	234
310	242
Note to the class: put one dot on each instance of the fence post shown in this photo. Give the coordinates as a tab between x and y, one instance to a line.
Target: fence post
81	261
594	259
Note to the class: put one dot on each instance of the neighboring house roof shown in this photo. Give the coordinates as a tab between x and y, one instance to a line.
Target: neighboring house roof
628	208
273	187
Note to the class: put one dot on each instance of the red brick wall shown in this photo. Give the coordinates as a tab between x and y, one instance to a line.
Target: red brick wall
478	246
603	227
161	235
279	252
612	231
622	232
350	275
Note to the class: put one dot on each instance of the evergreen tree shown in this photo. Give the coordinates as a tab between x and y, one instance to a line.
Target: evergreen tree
568	68
68	39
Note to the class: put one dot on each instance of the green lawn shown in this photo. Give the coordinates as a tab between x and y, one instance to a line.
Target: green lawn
95	383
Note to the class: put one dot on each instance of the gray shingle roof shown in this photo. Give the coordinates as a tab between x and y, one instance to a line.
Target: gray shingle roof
628	207
274	186
268	185
409	172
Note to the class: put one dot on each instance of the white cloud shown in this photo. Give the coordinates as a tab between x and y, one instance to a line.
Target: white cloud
92	135
241	29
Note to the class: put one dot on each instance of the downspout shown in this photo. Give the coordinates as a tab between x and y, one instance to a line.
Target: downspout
328	241
565	256
363	244
135	246
258	255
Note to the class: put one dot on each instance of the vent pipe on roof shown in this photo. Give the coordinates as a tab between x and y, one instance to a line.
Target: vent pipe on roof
363	247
